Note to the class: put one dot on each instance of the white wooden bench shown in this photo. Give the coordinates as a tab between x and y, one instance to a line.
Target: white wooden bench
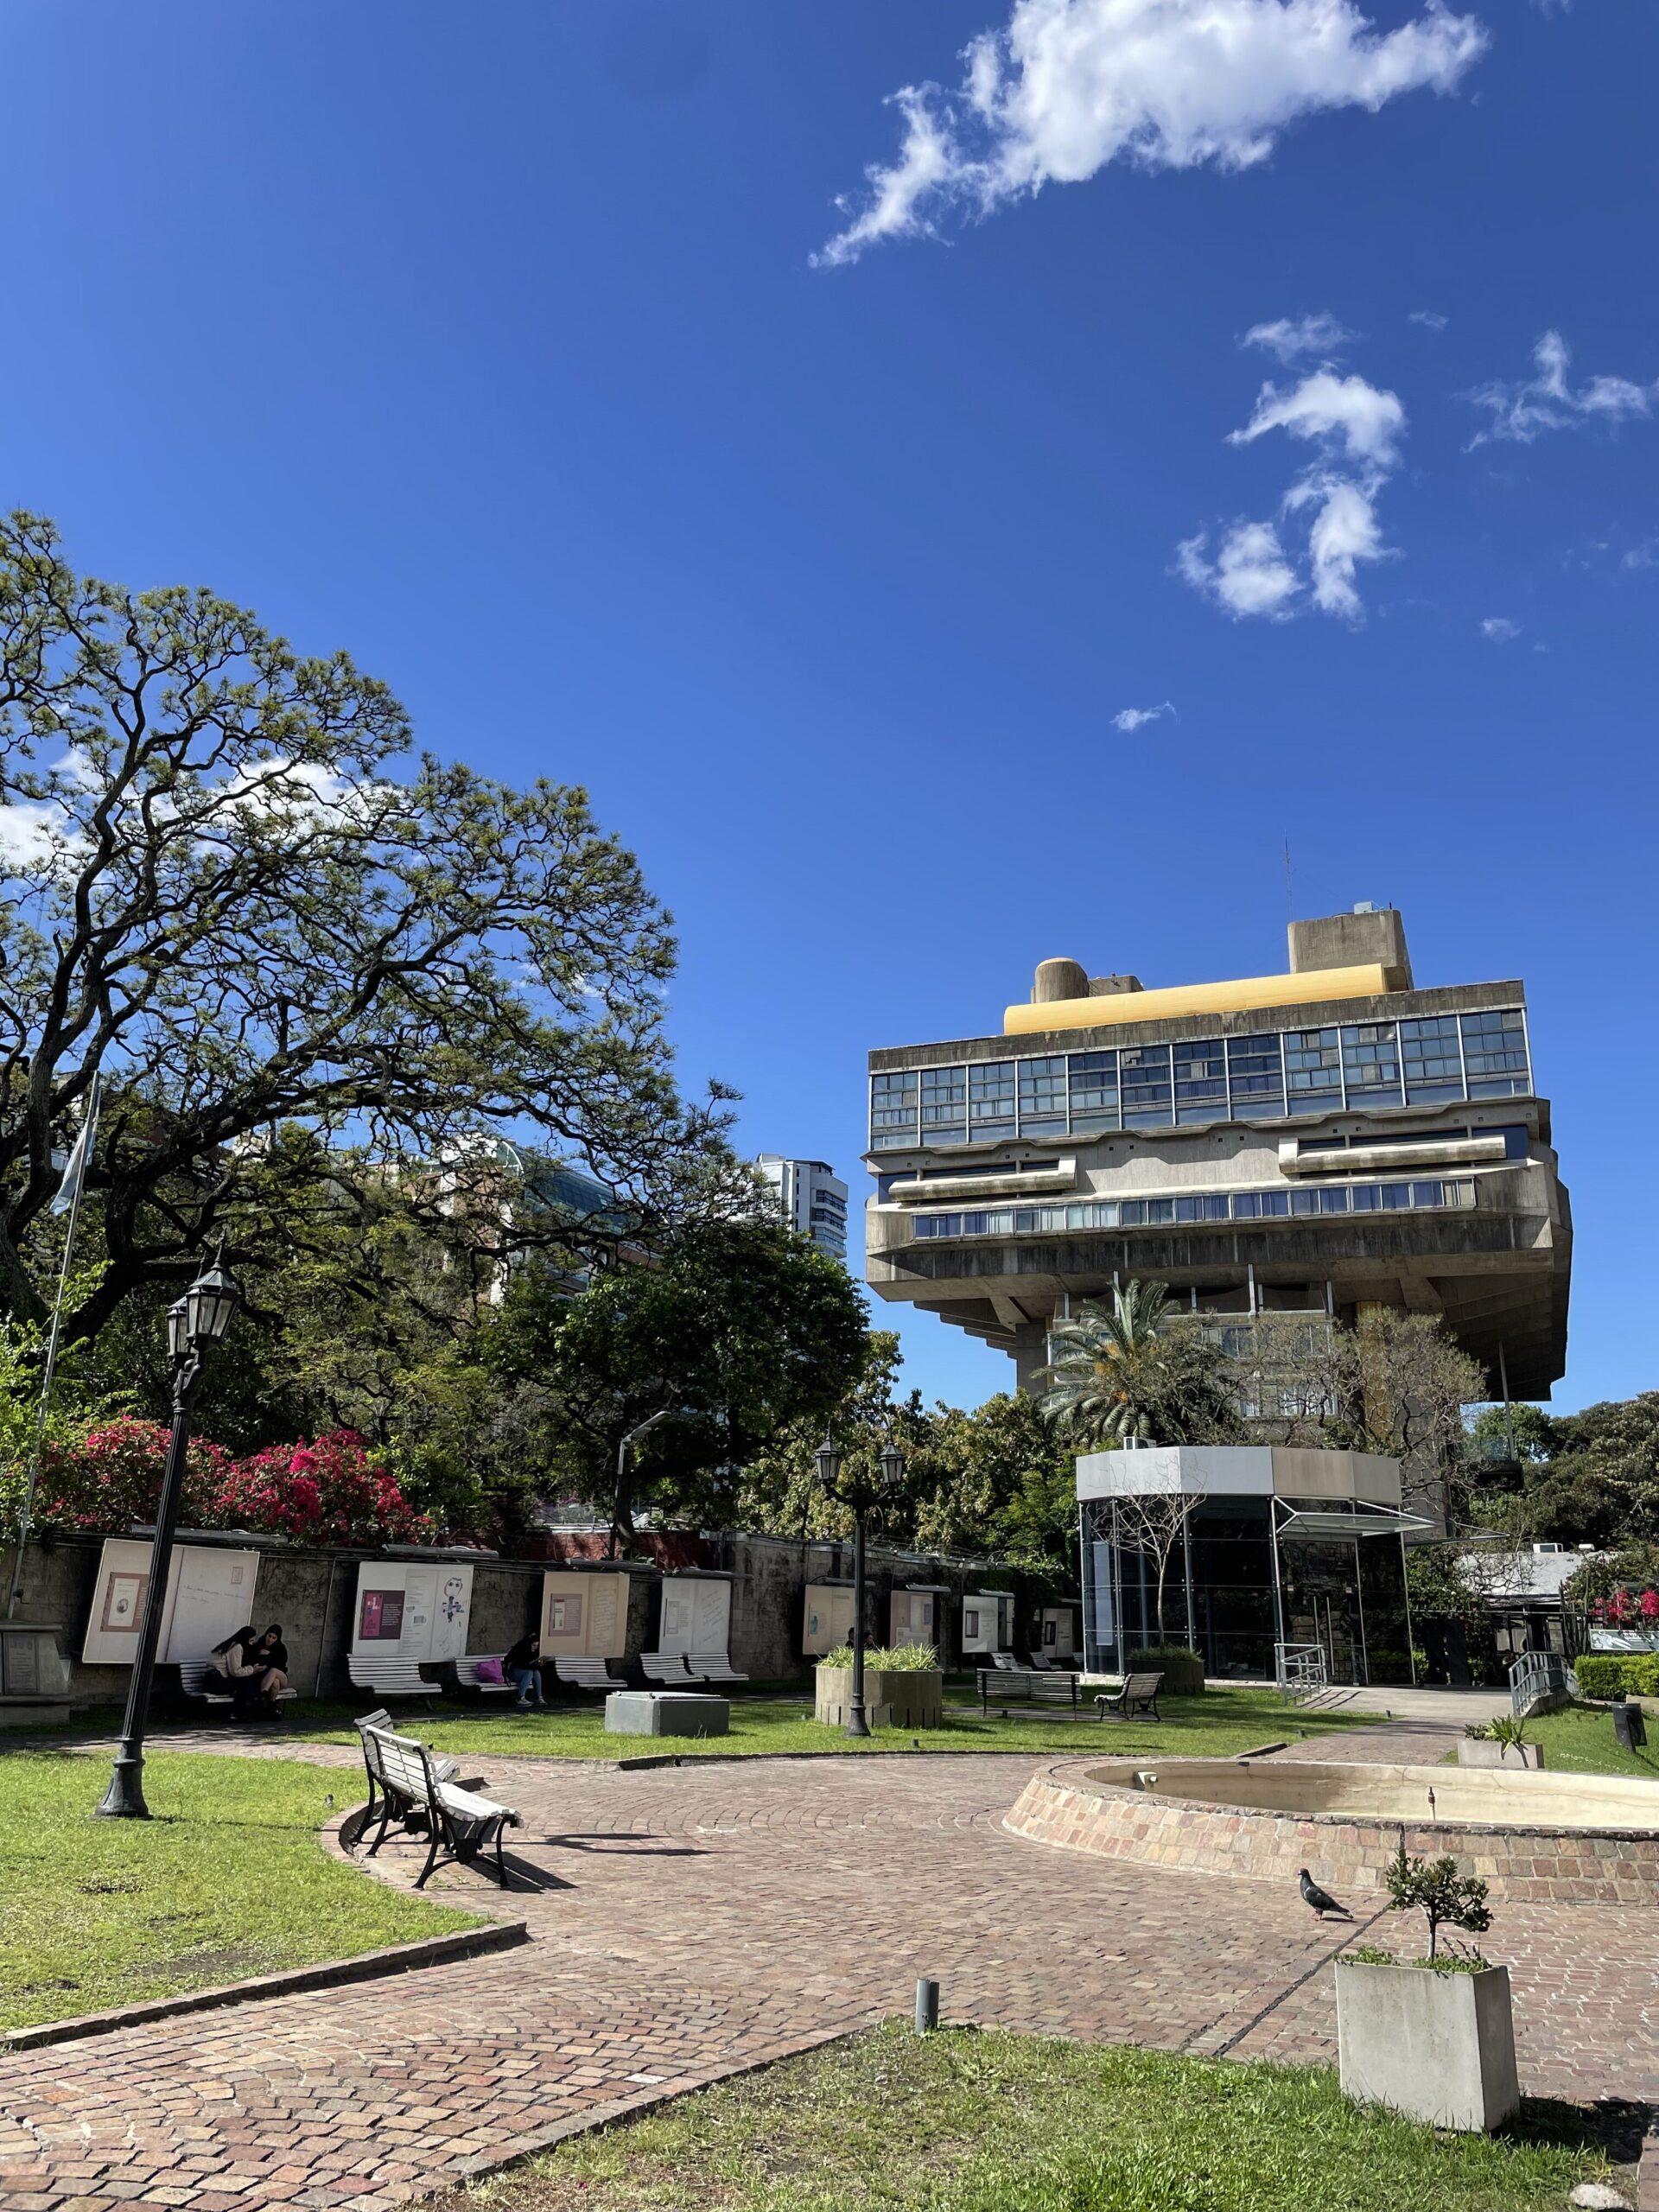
712	1667
467	1676
459	1824
1138	1695
665	1668
580	1674
389	1676
199	1678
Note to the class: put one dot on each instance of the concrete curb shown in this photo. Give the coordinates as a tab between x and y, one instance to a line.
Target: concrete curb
367	1966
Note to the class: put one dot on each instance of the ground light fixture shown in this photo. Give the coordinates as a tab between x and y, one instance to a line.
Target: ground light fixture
846	1487
195	1321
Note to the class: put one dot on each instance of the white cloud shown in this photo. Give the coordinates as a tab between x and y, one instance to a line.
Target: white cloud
1310	333
1324	407
1249	574
1644	555
1132	718
1357	427
1521	412
1069	85
1429	318
32	836
1500	629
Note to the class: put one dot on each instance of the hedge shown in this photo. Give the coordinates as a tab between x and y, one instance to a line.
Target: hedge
1614	1673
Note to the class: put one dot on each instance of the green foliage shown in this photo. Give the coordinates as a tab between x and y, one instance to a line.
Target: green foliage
1535	1432
1598	1482
738	1330
894	1659
227	1881
1130	1371
242	900
1444	1897
1618	1673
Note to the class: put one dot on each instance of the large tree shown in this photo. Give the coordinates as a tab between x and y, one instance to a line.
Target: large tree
735	1330
231	890
1133	1372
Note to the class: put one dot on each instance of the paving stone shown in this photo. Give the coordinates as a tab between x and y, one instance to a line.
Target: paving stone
688	1921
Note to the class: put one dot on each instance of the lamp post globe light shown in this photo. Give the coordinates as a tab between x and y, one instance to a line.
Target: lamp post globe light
847	1489
197	1320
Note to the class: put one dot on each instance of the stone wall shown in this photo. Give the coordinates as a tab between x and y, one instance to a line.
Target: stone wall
312	1594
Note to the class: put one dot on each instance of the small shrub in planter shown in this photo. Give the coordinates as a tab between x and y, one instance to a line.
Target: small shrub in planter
1431	2038
906	1679
1501	1742
1181	1667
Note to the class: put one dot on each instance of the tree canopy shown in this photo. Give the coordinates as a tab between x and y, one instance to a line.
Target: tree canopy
233	890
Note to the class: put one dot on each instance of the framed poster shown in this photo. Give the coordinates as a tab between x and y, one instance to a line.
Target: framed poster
211	1589
696	1614
584	1616
420	1612
380	1617
829	1619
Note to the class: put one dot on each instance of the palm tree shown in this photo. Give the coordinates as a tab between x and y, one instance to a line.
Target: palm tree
1113	1377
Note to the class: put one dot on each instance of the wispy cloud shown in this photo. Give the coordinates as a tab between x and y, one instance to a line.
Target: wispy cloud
1068	86
1429	318
1131	718
1644	555
1357	429
1499	629
1291	338
1547	401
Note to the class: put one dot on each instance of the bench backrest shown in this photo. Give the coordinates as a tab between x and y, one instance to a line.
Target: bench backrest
402	1764
388	1674
198	1677
1143	1685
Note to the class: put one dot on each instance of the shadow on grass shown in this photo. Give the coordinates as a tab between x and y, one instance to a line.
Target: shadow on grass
1610	2125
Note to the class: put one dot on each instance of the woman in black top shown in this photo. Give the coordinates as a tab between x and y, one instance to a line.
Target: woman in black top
264	1675
522	1668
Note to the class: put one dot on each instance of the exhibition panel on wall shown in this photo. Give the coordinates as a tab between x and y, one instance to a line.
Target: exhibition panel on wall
210	1593
696	1613
409	1609
584	1616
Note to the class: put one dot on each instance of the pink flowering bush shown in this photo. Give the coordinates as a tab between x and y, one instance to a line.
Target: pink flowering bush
335	1490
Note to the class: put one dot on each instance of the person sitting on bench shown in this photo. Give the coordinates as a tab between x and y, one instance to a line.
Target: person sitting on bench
230	1660
522	1668
263	1676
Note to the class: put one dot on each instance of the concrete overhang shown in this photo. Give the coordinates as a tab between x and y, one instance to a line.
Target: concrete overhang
1375	1158
1361	1479
994	1183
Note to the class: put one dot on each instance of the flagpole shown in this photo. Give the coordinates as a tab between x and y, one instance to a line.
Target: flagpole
46	1374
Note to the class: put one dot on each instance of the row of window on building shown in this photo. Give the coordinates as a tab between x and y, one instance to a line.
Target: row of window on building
1440	1059
1457	1191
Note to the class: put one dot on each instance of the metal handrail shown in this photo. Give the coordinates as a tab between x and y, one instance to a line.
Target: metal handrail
1301	1669
1535	1674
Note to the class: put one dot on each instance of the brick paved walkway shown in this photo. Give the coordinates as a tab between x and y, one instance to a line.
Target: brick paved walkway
692	1920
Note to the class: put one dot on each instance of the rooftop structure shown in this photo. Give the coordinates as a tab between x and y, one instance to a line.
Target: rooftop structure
1323	1142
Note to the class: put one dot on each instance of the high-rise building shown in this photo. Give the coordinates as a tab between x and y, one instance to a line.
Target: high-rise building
1323	1142
811	1198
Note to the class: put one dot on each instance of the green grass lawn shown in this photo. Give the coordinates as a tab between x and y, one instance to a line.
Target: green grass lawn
1579	1740
1220	1722
965	2122
227	1880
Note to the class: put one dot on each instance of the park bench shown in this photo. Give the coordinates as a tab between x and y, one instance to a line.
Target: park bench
459	1823
712	1667
1019	1686
579	1674
389	1676
198	1678
665	1668
467	1676
1138	1695
1006	1661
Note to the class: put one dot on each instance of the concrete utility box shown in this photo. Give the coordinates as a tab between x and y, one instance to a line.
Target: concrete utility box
666	1713
1439	2047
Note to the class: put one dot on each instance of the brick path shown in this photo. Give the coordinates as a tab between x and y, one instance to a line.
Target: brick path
692	1920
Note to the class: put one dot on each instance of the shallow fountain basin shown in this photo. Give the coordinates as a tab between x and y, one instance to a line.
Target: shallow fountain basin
1535	1837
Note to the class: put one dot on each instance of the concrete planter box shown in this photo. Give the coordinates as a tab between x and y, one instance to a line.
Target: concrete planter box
1439	2047
892	1698
1182	1677
1475	1751
666	1713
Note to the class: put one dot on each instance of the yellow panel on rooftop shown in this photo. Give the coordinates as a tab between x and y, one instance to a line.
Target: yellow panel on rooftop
1246	994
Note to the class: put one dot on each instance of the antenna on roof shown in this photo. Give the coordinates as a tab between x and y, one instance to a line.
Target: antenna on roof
1290	910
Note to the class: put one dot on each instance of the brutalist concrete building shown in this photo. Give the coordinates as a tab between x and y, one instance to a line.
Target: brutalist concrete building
1317	1142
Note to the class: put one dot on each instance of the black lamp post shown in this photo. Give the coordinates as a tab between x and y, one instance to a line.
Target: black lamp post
861	1495
198	1318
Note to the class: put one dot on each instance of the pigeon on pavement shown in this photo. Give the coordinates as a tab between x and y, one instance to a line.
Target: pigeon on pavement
1321	1900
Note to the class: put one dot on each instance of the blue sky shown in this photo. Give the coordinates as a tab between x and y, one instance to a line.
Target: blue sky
491	344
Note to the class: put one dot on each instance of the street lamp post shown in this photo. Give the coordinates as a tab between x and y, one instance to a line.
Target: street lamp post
198	1318
861	1494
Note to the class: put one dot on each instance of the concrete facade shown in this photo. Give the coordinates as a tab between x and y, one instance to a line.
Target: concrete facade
1383	1146
811	1198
